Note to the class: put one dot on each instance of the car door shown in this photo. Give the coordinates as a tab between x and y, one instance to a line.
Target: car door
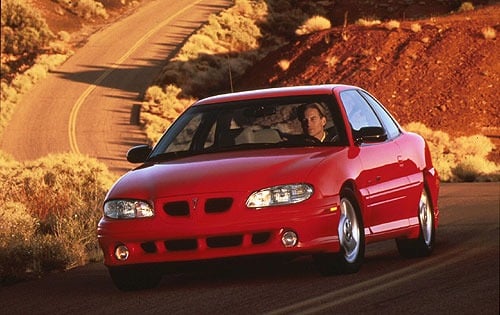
408	160
381	182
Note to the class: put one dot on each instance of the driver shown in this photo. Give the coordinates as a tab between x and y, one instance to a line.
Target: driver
313	122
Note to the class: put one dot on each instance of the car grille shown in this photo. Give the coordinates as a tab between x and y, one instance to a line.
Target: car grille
177	208
212	205
194	206
189	244
216	205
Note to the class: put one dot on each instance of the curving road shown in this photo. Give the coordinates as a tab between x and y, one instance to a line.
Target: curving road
85	105
461	277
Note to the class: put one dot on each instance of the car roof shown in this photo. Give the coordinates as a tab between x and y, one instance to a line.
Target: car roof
273	92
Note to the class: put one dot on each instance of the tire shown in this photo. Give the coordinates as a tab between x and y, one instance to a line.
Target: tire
351	237
424	244
133	278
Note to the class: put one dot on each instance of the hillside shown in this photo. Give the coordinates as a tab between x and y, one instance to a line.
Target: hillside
446	75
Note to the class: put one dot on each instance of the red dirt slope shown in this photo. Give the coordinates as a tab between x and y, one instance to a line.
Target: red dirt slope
446	75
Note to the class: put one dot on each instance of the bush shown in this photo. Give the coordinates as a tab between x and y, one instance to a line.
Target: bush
460	159
392	25
18	228
86	9
51	214
368	22
473	168
23	30
489	32
314	24
466	6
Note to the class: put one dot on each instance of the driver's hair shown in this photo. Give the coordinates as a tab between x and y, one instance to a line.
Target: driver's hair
302	109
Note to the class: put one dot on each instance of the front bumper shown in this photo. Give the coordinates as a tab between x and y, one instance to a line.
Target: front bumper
240	232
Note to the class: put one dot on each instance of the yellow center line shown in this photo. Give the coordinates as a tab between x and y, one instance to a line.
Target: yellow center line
79	102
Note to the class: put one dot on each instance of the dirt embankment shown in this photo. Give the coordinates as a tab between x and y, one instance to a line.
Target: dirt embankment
440	71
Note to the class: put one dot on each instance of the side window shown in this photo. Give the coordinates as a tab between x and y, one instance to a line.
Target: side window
390	125
359	113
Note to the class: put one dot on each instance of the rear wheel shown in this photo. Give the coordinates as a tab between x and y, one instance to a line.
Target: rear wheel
131	278
424	244
351	237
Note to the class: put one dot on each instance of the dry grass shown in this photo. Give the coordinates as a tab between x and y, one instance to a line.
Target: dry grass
489	32
314	24
50	213
368	22
466	6
460	159
415	28
284	64
392	25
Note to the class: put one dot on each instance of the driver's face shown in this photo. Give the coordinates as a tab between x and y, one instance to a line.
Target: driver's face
313	124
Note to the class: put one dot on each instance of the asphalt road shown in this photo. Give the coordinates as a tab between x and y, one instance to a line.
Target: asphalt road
461	277
85	105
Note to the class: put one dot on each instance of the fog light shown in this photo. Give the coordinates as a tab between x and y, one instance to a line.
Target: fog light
121	252
289	239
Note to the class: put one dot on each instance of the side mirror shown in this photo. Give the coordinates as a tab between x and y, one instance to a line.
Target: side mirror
139	154
370	135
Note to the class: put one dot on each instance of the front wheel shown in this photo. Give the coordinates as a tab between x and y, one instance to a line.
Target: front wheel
424	244
351	237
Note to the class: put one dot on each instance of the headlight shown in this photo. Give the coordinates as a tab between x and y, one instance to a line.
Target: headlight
280	195
127	209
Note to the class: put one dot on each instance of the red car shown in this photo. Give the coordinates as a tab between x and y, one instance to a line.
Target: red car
312	170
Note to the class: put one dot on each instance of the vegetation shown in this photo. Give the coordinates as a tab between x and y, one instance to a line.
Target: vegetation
489	32
314	24
24	32
460	159
84	8
49	216
466	6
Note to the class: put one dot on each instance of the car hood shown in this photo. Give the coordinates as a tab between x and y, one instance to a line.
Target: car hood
220	172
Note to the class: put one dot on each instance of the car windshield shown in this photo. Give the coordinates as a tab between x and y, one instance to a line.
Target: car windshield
255	124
